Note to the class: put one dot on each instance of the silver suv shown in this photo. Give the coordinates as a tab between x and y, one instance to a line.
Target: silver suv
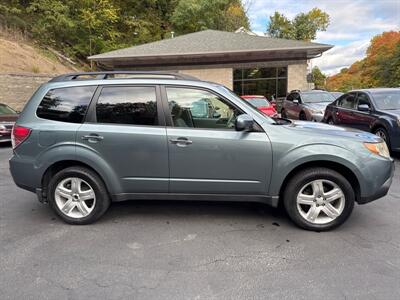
306	105
85	140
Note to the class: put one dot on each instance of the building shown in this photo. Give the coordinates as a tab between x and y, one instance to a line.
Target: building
246	63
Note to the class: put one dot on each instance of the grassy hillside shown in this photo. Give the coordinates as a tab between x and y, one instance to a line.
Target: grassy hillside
18	55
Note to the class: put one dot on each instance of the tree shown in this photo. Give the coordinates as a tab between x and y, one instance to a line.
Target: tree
195	15
380	68
304	26
318	78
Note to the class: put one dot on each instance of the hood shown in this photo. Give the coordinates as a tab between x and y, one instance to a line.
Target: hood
8	118
394	113
318	105
333	131
269	110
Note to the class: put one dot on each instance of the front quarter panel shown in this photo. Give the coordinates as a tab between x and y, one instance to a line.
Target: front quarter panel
293	149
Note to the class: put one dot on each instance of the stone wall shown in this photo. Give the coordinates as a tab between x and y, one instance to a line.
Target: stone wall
222	76
297	77
16	89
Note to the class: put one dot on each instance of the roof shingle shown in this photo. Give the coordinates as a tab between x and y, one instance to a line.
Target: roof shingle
208	42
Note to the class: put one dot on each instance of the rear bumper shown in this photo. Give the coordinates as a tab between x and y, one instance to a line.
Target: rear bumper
24	174
380	191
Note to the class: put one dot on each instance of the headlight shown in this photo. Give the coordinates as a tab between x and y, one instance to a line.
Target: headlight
380	149
3	128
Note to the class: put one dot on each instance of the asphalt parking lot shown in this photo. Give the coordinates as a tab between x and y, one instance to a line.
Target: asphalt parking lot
192	250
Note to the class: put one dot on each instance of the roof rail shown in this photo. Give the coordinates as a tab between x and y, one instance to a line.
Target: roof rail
111	74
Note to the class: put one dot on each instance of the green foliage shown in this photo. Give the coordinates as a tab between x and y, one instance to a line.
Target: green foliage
80	28
318	78
195	15
304	26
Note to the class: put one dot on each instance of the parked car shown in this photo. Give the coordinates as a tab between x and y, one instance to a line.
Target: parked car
262	104
306	105
336	94
8	116
373	110
83	143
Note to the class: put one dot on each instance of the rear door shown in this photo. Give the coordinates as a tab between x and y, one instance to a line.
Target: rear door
125	128
210	156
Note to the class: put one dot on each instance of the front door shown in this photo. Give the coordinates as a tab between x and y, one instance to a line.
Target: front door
346	108
125	129
206	154
363	119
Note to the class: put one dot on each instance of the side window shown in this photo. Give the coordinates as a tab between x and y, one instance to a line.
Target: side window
289	97
127	105
296	96
363	99
347	101
200	109
66	104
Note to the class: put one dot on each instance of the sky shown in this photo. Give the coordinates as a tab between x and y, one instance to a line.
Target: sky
352	25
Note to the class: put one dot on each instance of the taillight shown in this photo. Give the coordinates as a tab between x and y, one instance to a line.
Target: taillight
19	134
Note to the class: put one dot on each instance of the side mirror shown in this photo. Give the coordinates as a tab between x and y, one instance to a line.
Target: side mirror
363	107
295	101
244	123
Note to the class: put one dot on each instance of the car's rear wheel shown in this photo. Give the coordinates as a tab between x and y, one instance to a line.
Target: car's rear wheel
78	195
381	132
283	114
330	121
319	199
302	116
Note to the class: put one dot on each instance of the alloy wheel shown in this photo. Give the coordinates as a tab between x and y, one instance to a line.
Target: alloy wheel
320	201
75	197
381	134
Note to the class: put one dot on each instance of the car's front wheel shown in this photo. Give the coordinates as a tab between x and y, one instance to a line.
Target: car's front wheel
319	199
381	132
78	195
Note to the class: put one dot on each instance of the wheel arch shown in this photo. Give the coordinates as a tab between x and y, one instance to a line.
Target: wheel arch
338	167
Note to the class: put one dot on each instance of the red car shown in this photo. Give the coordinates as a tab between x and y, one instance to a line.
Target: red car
7	119
262	104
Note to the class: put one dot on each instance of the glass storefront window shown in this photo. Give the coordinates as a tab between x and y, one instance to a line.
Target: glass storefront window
268	82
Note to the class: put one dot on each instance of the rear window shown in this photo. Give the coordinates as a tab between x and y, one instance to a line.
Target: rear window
66	104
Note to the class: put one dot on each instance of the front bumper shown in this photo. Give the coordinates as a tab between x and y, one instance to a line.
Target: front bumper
381	191
317	117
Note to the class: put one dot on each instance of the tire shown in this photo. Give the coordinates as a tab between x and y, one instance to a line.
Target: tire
283	114
330	121
91	188
382	132
302	116
301	188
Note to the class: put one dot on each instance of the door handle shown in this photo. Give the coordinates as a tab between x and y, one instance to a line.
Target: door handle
181	142
93	137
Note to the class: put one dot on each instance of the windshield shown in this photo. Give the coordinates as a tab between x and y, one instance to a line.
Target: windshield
258	102
5	110
317	97
387	100
256	111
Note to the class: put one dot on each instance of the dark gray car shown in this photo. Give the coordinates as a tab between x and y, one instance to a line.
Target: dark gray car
306	105
82	143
